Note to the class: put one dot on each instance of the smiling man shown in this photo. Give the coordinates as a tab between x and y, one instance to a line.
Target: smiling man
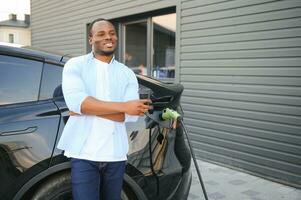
101	94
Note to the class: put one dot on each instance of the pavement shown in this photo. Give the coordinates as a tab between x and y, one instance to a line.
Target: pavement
222	183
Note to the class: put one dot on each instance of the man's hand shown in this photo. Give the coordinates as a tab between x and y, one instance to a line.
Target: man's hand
137	107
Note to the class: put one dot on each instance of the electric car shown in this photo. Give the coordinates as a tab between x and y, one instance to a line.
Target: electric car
33	114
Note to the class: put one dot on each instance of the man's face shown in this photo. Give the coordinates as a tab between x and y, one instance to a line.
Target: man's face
103	38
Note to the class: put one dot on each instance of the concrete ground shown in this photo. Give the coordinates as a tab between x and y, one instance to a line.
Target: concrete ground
222	183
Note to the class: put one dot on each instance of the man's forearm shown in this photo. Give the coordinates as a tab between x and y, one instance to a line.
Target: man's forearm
118	117
92	106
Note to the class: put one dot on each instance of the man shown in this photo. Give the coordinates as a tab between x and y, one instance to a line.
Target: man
101	95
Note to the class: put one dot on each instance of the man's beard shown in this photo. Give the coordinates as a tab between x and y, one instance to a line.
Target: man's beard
103	53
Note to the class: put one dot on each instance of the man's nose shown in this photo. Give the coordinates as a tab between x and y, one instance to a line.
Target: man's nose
108	36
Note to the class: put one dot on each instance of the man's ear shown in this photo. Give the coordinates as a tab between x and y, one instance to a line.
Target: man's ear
90	40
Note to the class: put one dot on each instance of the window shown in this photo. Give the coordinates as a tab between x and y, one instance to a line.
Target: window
51	80
164	28
148	46
135	46
19	80
11	38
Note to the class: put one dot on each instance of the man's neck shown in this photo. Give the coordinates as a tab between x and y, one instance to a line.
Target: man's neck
103	58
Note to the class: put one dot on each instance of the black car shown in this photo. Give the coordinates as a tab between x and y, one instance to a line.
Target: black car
33	114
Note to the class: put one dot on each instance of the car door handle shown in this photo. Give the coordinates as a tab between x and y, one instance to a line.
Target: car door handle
17	132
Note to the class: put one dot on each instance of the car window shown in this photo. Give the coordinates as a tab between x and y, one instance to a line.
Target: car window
19	79
51	80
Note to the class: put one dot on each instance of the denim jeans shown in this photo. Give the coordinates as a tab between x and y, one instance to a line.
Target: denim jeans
96	180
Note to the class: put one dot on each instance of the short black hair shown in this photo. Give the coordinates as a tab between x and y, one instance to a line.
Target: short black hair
93	22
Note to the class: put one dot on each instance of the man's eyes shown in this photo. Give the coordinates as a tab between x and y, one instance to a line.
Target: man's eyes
103	34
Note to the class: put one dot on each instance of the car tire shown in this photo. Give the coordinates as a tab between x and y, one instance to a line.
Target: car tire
58	187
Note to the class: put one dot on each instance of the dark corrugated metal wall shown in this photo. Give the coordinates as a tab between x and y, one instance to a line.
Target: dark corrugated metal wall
241	69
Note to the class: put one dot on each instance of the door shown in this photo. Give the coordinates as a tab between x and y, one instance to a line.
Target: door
28	127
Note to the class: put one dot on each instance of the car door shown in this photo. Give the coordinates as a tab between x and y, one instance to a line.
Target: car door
28	126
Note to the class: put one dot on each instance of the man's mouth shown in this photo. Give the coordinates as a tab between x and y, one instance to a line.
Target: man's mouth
109	45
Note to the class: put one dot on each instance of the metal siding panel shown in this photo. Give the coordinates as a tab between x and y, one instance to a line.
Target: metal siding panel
243	54
240	66
248	19
197	3
224	6
243	28
91	10
237	80
244	45
254	128
255	69
241	11
281	160
252	106
244	114
246	97
244	89
61	25
187	37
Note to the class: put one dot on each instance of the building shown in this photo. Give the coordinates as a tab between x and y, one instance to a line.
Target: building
15	31
239	61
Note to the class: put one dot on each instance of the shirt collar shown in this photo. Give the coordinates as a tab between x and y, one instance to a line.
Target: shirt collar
91	56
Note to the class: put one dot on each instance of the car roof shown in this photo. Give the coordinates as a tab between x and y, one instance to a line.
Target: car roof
33	53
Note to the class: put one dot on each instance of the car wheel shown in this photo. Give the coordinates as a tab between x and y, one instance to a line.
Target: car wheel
58	187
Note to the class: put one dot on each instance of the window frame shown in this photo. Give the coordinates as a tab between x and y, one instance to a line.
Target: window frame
122	38
11	38
12	55
49	66
149	42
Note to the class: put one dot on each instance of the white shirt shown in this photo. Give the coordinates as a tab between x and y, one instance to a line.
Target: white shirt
92	137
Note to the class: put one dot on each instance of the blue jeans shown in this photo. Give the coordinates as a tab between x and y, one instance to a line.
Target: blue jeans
96	180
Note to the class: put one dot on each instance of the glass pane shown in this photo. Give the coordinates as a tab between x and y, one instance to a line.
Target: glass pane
11	38
19	80
52	78
135	47
164	46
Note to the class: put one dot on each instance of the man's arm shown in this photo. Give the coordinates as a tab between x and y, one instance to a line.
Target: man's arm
73	86
78	101
93	106
114	111
117	117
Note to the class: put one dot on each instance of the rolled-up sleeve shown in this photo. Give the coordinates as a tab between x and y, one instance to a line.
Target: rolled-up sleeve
73	86
131	93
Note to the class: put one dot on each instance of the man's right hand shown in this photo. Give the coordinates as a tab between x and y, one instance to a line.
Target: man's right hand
137	107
